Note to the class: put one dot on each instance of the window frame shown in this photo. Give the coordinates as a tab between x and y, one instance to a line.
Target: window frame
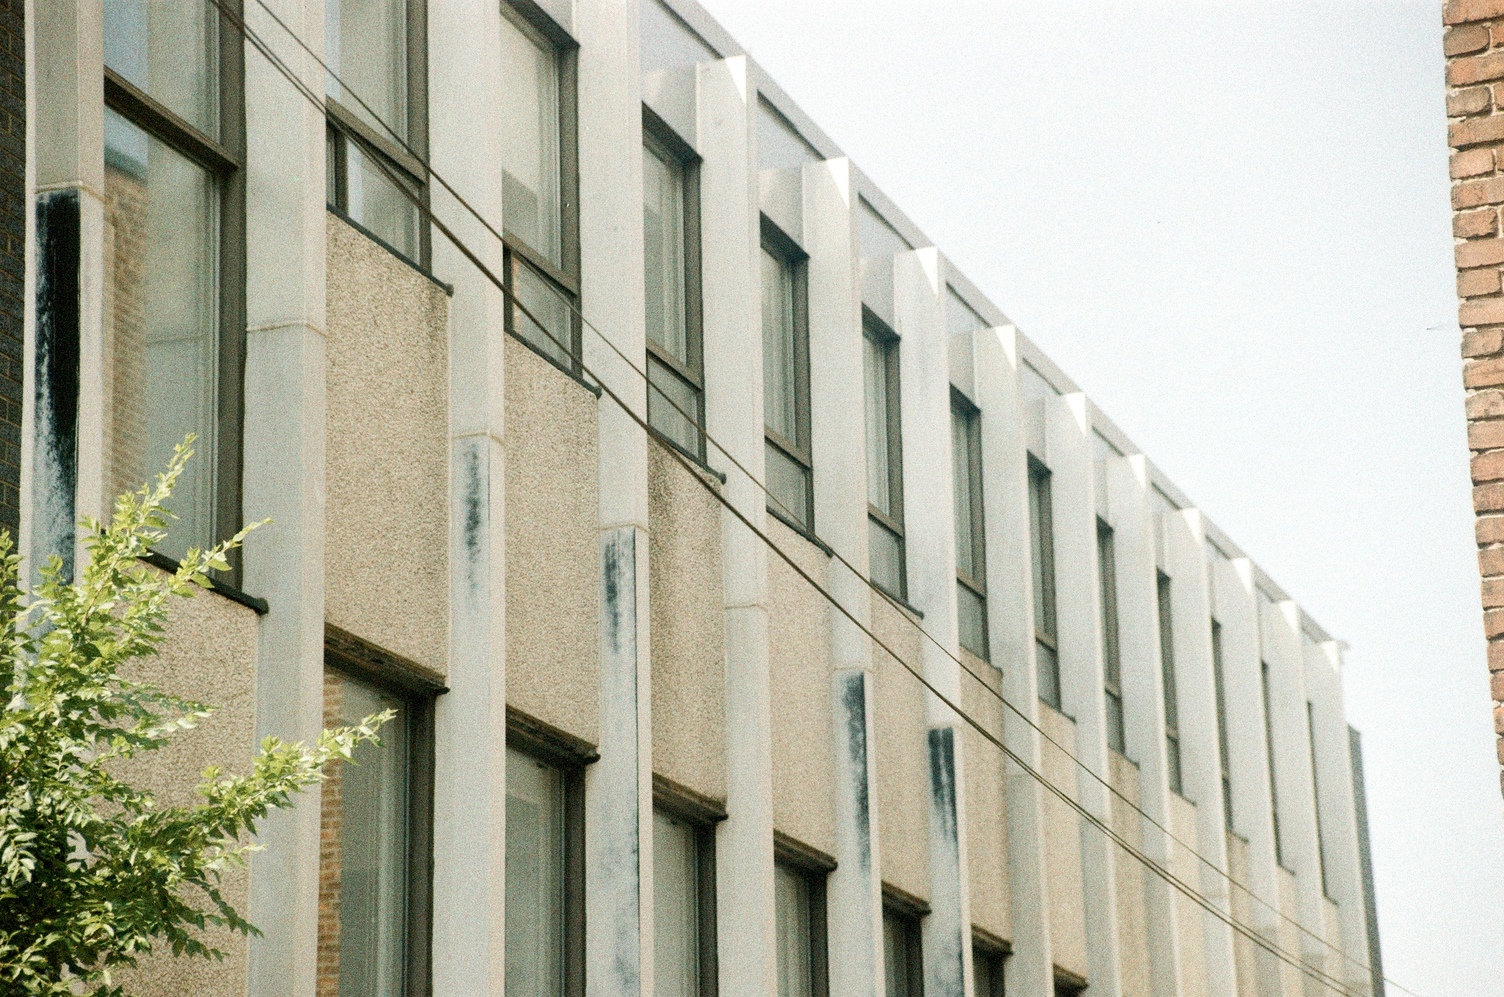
364	662
224	158
907	911
702	814
777	244
405	163
887	341
1112	656
1219	687
1042	548
1174	760
987	947
1316	800
1265	674
657	135
815	866
976	484
1068	984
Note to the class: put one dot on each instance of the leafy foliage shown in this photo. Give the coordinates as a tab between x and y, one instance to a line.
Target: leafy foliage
93	873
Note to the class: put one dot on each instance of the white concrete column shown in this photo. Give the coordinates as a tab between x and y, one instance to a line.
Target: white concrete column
469	879
619	787
729	240
919	316
284	472
1190	605
1079	626
1010	618
1136	546
854	889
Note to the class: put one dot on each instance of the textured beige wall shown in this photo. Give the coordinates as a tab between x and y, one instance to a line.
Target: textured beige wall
688	628
1244	951
386	557
1063	848
903	779
553	546
209	655
1133	929
986	804
799	671
1190	919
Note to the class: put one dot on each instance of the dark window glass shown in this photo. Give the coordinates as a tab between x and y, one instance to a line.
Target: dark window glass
671	281
1167	674
799	929
1222	748
1112	666
884	458
987	965
903	959
1042	560
785	371
1279	847
971	534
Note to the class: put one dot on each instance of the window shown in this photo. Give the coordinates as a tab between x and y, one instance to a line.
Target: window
884	458
1279	848
378	119
539	182
971	534
1068	984
987	961
684	927
903	954
174	195
785	373
799	926
1112	661
671	255
1042	560
374	843
1316	794
545	879
1167	673
1221	690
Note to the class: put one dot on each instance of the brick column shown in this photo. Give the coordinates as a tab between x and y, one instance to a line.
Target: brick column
1474	46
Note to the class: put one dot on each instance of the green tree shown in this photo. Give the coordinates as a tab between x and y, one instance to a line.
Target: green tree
93	873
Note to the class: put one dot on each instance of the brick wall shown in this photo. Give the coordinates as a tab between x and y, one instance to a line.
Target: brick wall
12	251
1474	46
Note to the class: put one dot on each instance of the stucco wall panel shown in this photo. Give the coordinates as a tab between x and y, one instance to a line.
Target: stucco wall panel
1063	849
386	550
903	781
1133	924
1189	917
553	546
687	629
986	803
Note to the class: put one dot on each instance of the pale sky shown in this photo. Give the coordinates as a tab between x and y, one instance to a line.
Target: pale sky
1229	223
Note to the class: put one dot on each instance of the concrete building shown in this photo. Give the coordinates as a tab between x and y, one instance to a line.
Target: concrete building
718	708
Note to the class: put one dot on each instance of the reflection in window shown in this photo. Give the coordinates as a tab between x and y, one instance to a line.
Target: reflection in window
1112	661
794	927
169	51
535	878
676	903
531	192
785	372
1042	562
903	962
884	460
971	534
1167	672
674	379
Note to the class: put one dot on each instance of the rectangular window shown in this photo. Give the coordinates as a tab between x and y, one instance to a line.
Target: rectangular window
1279	848
671	256
544	874
1167	673
539	181
884	458
987	966
378	119
1316	794
785	373
799	926
903	955
971	534
174	196
684	928
1042	560
1222	750
1112	662
374	845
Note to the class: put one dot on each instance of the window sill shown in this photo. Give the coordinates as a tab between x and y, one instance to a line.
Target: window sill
578	378
169	564
695	459
802	531
357	226
901	603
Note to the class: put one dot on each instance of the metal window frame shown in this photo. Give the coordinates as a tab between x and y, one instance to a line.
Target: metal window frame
1265	674
971	415
776	243
907	911
702	814
987	947
815	867
1316	800
1223	749
225	158
658	137
1168	684
887	342
1112	657
1042	554
345	126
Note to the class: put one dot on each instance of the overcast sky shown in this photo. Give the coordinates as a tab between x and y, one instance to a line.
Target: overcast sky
1230	225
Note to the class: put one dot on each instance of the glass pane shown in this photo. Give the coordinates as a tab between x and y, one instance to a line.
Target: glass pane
1042	560
170	50
1114	704
162	305
971	619
535	878
1107	580
1167	656
530	153
363	852
879	458
896	952
989	973
676	926
538	300
666	390
788	484
885	557
378	204
791	923
960	450
1172	760
1049	673
663	253
780	358
365	42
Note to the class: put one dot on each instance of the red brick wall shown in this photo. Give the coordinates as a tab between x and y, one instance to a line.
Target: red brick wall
1474	46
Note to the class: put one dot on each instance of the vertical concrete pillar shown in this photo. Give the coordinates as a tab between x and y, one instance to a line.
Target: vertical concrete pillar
284	472
918	306
730	239
1073	470
1136	542
1010	618
469	917
854	889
